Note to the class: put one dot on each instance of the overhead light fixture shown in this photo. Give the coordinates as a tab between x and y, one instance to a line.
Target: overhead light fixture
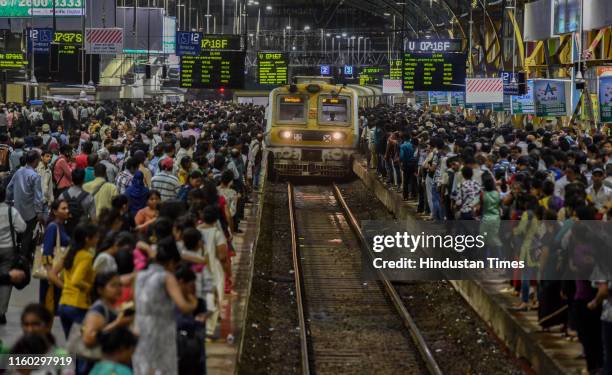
251	35
328	34
386	14
268	7
338	37
353	37
288	27
306	28
344	35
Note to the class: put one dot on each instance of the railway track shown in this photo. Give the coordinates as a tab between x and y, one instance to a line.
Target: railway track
346	325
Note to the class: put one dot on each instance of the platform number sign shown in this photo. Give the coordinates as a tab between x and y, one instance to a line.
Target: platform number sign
348	70
40	39
188	43
325	70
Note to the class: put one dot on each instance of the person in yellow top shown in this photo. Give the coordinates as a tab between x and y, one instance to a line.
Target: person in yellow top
78	276
102	191
184	170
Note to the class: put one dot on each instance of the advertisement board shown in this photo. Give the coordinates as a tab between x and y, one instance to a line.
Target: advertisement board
457	99
605	98
524	104
549	97
439	98
29	8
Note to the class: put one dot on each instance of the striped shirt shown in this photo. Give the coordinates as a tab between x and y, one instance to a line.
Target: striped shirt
167	184
123	181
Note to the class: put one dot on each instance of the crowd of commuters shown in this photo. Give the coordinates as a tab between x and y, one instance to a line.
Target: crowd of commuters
546	183
126	213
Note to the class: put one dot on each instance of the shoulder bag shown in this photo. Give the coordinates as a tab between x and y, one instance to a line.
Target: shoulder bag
20	261
40	263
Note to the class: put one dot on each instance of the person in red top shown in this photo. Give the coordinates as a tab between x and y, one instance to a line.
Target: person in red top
62	171
81	159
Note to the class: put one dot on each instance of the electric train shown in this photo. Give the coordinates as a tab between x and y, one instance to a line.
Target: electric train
312	126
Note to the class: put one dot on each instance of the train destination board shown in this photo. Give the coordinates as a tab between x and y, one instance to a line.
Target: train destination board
395	69
272	68
213	70
372	75
12	60
434	71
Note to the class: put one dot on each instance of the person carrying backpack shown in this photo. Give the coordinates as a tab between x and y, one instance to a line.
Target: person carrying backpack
100	189
80	202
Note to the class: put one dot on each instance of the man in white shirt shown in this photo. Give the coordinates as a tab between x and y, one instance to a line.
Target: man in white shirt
600	194
571	172
8	275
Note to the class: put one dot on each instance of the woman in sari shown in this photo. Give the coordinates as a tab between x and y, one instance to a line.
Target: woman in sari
137	194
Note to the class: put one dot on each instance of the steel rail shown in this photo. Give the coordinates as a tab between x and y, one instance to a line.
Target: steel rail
297	275
415	333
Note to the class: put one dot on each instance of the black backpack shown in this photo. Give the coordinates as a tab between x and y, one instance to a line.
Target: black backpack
75	205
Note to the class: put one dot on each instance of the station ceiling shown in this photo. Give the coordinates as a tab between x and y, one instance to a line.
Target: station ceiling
432	16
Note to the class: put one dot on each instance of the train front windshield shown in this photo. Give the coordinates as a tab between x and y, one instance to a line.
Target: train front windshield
291	109
334	111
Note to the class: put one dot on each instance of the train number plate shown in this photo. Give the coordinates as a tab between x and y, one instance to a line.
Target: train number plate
311	155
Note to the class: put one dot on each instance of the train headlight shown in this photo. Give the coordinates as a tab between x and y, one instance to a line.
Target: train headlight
338	136
287	134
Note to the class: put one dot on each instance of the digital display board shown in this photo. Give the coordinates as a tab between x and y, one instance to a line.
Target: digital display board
434	72
67	42
13	60
372	75
395	69
431	45
292	100
212	70
64	62
332	101
222	43
69	37
28	8
272	68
